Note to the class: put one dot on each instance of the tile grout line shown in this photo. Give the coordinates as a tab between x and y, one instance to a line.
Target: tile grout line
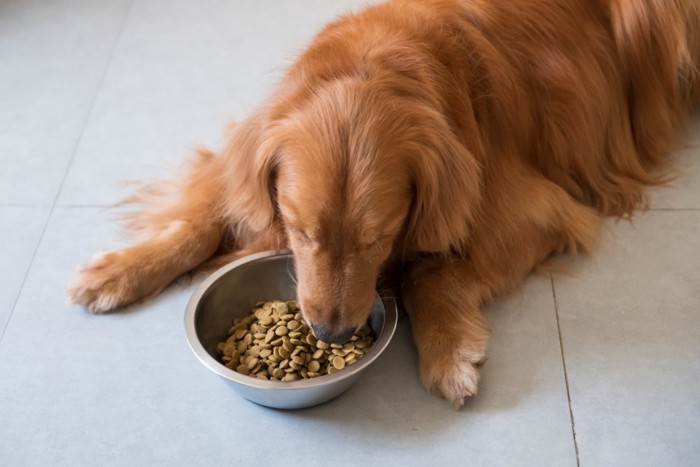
88	116
566	375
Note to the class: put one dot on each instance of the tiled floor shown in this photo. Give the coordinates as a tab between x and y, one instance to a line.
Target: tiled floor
599	368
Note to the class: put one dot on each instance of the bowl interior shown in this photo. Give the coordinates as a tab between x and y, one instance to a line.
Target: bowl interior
232	292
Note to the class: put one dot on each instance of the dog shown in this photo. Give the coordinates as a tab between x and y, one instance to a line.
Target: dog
457	143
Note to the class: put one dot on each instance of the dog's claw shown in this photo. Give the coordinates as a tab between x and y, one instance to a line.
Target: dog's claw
455	377
99	285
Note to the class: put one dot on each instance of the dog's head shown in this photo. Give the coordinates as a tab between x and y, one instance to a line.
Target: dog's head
354	176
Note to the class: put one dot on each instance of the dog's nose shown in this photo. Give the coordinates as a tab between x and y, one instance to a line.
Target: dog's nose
332	336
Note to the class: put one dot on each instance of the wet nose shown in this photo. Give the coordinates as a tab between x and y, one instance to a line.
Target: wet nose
333	336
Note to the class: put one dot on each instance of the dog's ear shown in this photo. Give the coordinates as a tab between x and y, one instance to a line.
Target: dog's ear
249	175
446	178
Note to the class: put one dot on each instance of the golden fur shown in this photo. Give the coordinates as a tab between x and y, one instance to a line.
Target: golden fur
459	142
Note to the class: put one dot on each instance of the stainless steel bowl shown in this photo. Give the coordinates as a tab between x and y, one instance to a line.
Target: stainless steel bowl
232	291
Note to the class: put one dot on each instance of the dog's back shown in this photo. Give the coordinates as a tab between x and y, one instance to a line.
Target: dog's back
593	93
659	47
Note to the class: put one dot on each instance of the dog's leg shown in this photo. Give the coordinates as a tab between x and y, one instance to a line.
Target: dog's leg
443	296
118	278
181	229
449	330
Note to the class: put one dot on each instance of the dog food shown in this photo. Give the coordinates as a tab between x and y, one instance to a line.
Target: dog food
274	343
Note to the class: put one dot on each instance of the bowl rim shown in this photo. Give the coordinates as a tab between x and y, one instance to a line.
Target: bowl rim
381	343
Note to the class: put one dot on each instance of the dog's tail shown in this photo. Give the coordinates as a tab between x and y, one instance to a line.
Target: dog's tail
658	44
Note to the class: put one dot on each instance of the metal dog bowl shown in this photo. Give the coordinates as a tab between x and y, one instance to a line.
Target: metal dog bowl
232	291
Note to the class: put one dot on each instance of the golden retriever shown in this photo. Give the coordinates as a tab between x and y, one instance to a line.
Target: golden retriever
459	142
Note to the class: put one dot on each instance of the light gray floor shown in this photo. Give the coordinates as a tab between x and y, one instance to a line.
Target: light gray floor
600	368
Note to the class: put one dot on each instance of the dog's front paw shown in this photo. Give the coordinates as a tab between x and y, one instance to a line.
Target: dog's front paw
104	284
452	375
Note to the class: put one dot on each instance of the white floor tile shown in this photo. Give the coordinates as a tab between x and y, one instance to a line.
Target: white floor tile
20	229
53	55
124	389
683	192
630	321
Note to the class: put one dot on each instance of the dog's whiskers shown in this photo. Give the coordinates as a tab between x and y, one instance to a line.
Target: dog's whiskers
291	275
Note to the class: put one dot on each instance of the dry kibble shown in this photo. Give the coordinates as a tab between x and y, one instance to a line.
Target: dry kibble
284	353
229	349
274	343
338	362
322	345
254	361
266	321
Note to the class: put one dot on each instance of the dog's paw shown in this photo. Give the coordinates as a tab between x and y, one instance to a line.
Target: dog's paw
104	284
454	376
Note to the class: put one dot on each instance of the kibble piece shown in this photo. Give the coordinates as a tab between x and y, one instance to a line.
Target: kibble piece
252	362
338	363
322	345
277	342
229	349
288	345
266	321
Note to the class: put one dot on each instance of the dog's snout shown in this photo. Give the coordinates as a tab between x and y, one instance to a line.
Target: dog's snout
332	336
